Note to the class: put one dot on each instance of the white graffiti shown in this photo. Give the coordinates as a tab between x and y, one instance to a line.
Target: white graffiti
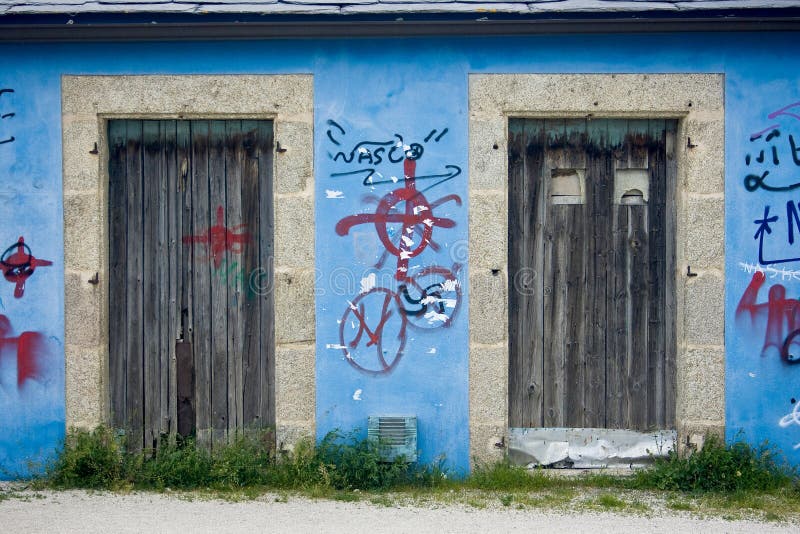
792	418
771	272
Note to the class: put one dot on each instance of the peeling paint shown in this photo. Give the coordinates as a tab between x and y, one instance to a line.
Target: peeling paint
330	193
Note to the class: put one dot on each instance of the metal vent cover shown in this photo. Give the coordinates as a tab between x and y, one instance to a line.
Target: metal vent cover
395	435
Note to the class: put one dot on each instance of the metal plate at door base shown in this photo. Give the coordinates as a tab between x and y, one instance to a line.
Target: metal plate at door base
583	448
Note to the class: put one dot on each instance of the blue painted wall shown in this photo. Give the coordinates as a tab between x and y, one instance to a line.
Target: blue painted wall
389	91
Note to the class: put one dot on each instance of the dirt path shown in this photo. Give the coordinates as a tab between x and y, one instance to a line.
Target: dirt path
80	511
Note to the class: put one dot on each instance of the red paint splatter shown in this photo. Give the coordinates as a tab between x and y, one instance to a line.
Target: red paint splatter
782	316
417	214
18	264
30	351
219	238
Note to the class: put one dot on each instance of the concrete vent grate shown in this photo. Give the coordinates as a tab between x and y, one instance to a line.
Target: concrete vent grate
395	435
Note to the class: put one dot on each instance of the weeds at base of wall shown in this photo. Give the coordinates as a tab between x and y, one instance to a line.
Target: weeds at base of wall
99	459
730	481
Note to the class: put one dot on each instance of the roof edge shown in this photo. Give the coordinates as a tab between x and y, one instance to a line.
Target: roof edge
365	29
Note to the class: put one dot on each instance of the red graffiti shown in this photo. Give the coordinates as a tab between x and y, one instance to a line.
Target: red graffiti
782	316
372	331
219	238
416	219
18	264
30	351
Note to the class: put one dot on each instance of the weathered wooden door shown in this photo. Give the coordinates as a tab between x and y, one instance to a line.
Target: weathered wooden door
190	301
591	263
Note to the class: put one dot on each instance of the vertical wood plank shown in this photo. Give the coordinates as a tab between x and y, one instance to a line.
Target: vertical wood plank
670	223
134	287
518	368
117	306
242	235
152	175
265	138
554	295
657	285
618	345
637	318
219	286
599	166
256	282
637	141
201	278
166	270
575	362
184	259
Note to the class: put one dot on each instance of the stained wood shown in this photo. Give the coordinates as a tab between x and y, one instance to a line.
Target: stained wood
603	319
202	220
234	165
185	383
151	178
134	288
117	243
191	339
265	154
670	225
598	166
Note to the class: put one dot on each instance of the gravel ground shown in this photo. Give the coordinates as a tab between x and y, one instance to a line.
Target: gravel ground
81	511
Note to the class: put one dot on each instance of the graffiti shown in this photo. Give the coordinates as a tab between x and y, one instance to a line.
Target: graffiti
417	217
792	418
373	329
220	239
764	228
780	317
771	272
770	157
4	116
783	112
28	349
370	154
18	264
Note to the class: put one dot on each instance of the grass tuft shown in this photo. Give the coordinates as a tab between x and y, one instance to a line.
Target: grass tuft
718	467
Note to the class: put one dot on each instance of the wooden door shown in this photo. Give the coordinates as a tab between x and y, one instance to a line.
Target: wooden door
591	263
190	301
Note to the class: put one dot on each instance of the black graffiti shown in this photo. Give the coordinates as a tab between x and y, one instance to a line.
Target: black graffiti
754	181
424	300
11	138
374	152
770	156
369	176
786	356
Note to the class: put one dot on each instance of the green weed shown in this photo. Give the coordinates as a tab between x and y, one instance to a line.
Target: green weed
717	467
607	500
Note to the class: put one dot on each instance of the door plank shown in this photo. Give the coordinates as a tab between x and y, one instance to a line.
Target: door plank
255	283
117	309
599	166
265	152
242	231
201	278
219	286
670	274
152	175
134	288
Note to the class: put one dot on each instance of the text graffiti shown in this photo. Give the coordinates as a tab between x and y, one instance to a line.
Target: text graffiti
18	264
781	315
374	326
